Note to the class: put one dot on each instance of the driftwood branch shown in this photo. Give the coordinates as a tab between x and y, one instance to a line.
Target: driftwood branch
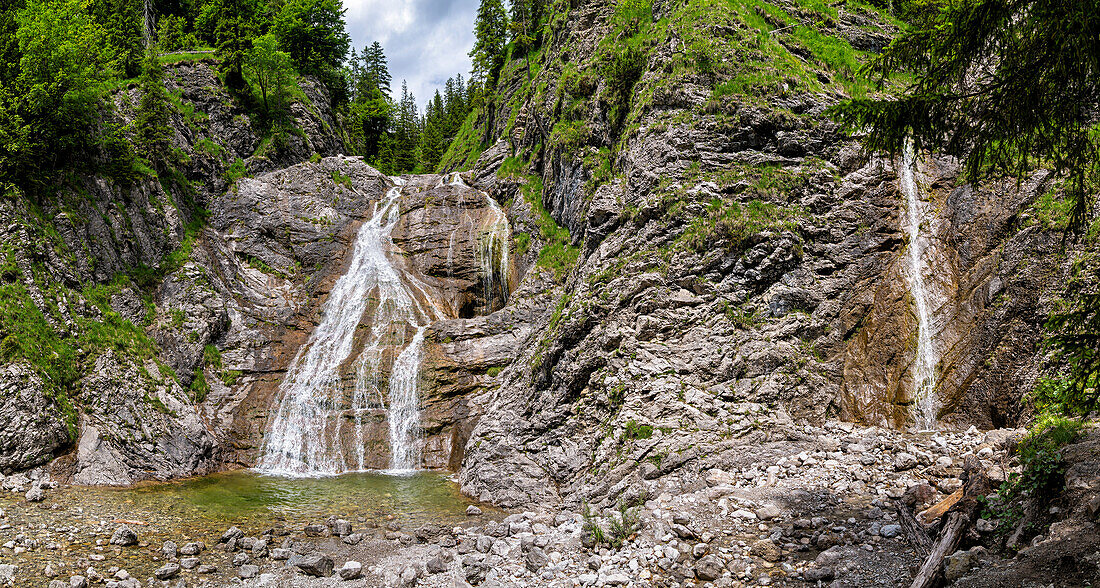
960	516
934	512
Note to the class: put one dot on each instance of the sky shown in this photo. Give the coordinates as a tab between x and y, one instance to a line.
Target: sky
425	41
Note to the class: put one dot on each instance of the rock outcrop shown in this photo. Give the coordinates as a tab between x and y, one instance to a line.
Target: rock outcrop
32	428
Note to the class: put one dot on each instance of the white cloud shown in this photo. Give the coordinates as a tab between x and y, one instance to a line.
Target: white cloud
426	41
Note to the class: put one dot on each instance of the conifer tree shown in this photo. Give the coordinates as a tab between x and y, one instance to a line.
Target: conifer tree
153	112
490	36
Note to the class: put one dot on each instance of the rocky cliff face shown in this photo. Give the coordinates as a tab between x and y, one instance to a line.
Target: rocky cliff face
740	262
118	297
697	262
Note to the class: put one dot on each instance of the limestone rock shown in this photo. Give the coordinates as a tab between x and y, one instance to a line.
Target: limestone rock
32	427
316	564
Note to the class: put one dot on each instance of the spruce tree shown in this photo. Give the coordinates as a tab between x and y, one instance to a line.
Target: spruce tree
490	36
153	113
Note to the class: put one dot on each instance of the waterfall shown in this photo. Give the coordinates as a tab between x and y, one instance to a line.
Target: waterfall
148	24
493	253
307	435
404	414
924	362
493	247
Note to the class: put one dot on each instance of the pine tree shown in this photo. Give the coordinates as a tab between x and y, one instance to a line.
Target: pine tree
526	15
233	29
406	134
371	110
153	112
376	67
313	33
490	36
433	139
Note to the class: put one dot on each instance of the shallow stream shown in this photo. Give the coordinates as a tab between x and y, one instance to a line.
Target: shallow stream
73	525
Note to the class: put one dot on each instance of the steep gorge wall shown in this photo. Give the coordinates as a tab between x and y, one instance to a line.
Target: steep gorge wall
116	291
739	259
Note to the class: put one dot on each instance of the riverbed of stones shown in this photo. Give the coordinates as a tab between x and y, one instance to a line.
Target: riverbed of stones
821	516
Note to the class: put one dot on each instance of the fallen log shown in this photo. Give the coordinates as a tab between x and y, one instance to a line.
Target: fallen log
918	535
936	511
960	516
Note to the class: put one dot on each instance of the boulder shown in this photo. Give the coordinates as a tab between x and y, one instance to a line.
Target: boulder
124	536
316	564
350	570
709	568
167	571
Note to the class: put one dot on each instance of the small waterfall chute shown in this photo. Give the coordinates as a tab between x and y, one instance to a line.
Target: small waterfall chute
925	360
494	245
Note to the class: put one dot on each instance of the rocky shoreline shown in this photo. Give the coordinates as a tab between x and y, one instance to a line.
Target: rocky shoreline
820	513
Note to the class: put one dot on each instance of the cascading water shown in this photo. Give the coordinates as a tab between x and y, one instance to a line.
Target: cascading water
924	362
307	435
493	250
493	247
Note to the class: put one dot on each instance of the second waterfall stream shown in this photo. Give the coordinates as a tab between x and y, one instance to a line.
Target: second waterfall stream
310	434
925	358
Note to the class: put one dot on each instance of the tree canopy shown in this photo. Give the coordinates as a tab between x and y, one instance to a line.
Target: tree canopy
312	32
1003	84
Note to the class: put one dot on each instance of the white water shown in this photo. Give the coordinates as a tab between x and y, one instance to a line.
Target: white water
924	362
493	253
306	437
493	246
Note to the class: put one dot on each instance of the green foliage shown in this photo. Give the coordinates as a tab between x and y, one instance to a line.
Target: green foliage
173	33
633	430
1032	88
1051	211
199	387
1049	433
523	242
741	318
312	32
232	24
591	525
272	74
1075	341
624	53
49	104
623	524
558	254
490	35
731	225
212	357
493	371
153	112
236	171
